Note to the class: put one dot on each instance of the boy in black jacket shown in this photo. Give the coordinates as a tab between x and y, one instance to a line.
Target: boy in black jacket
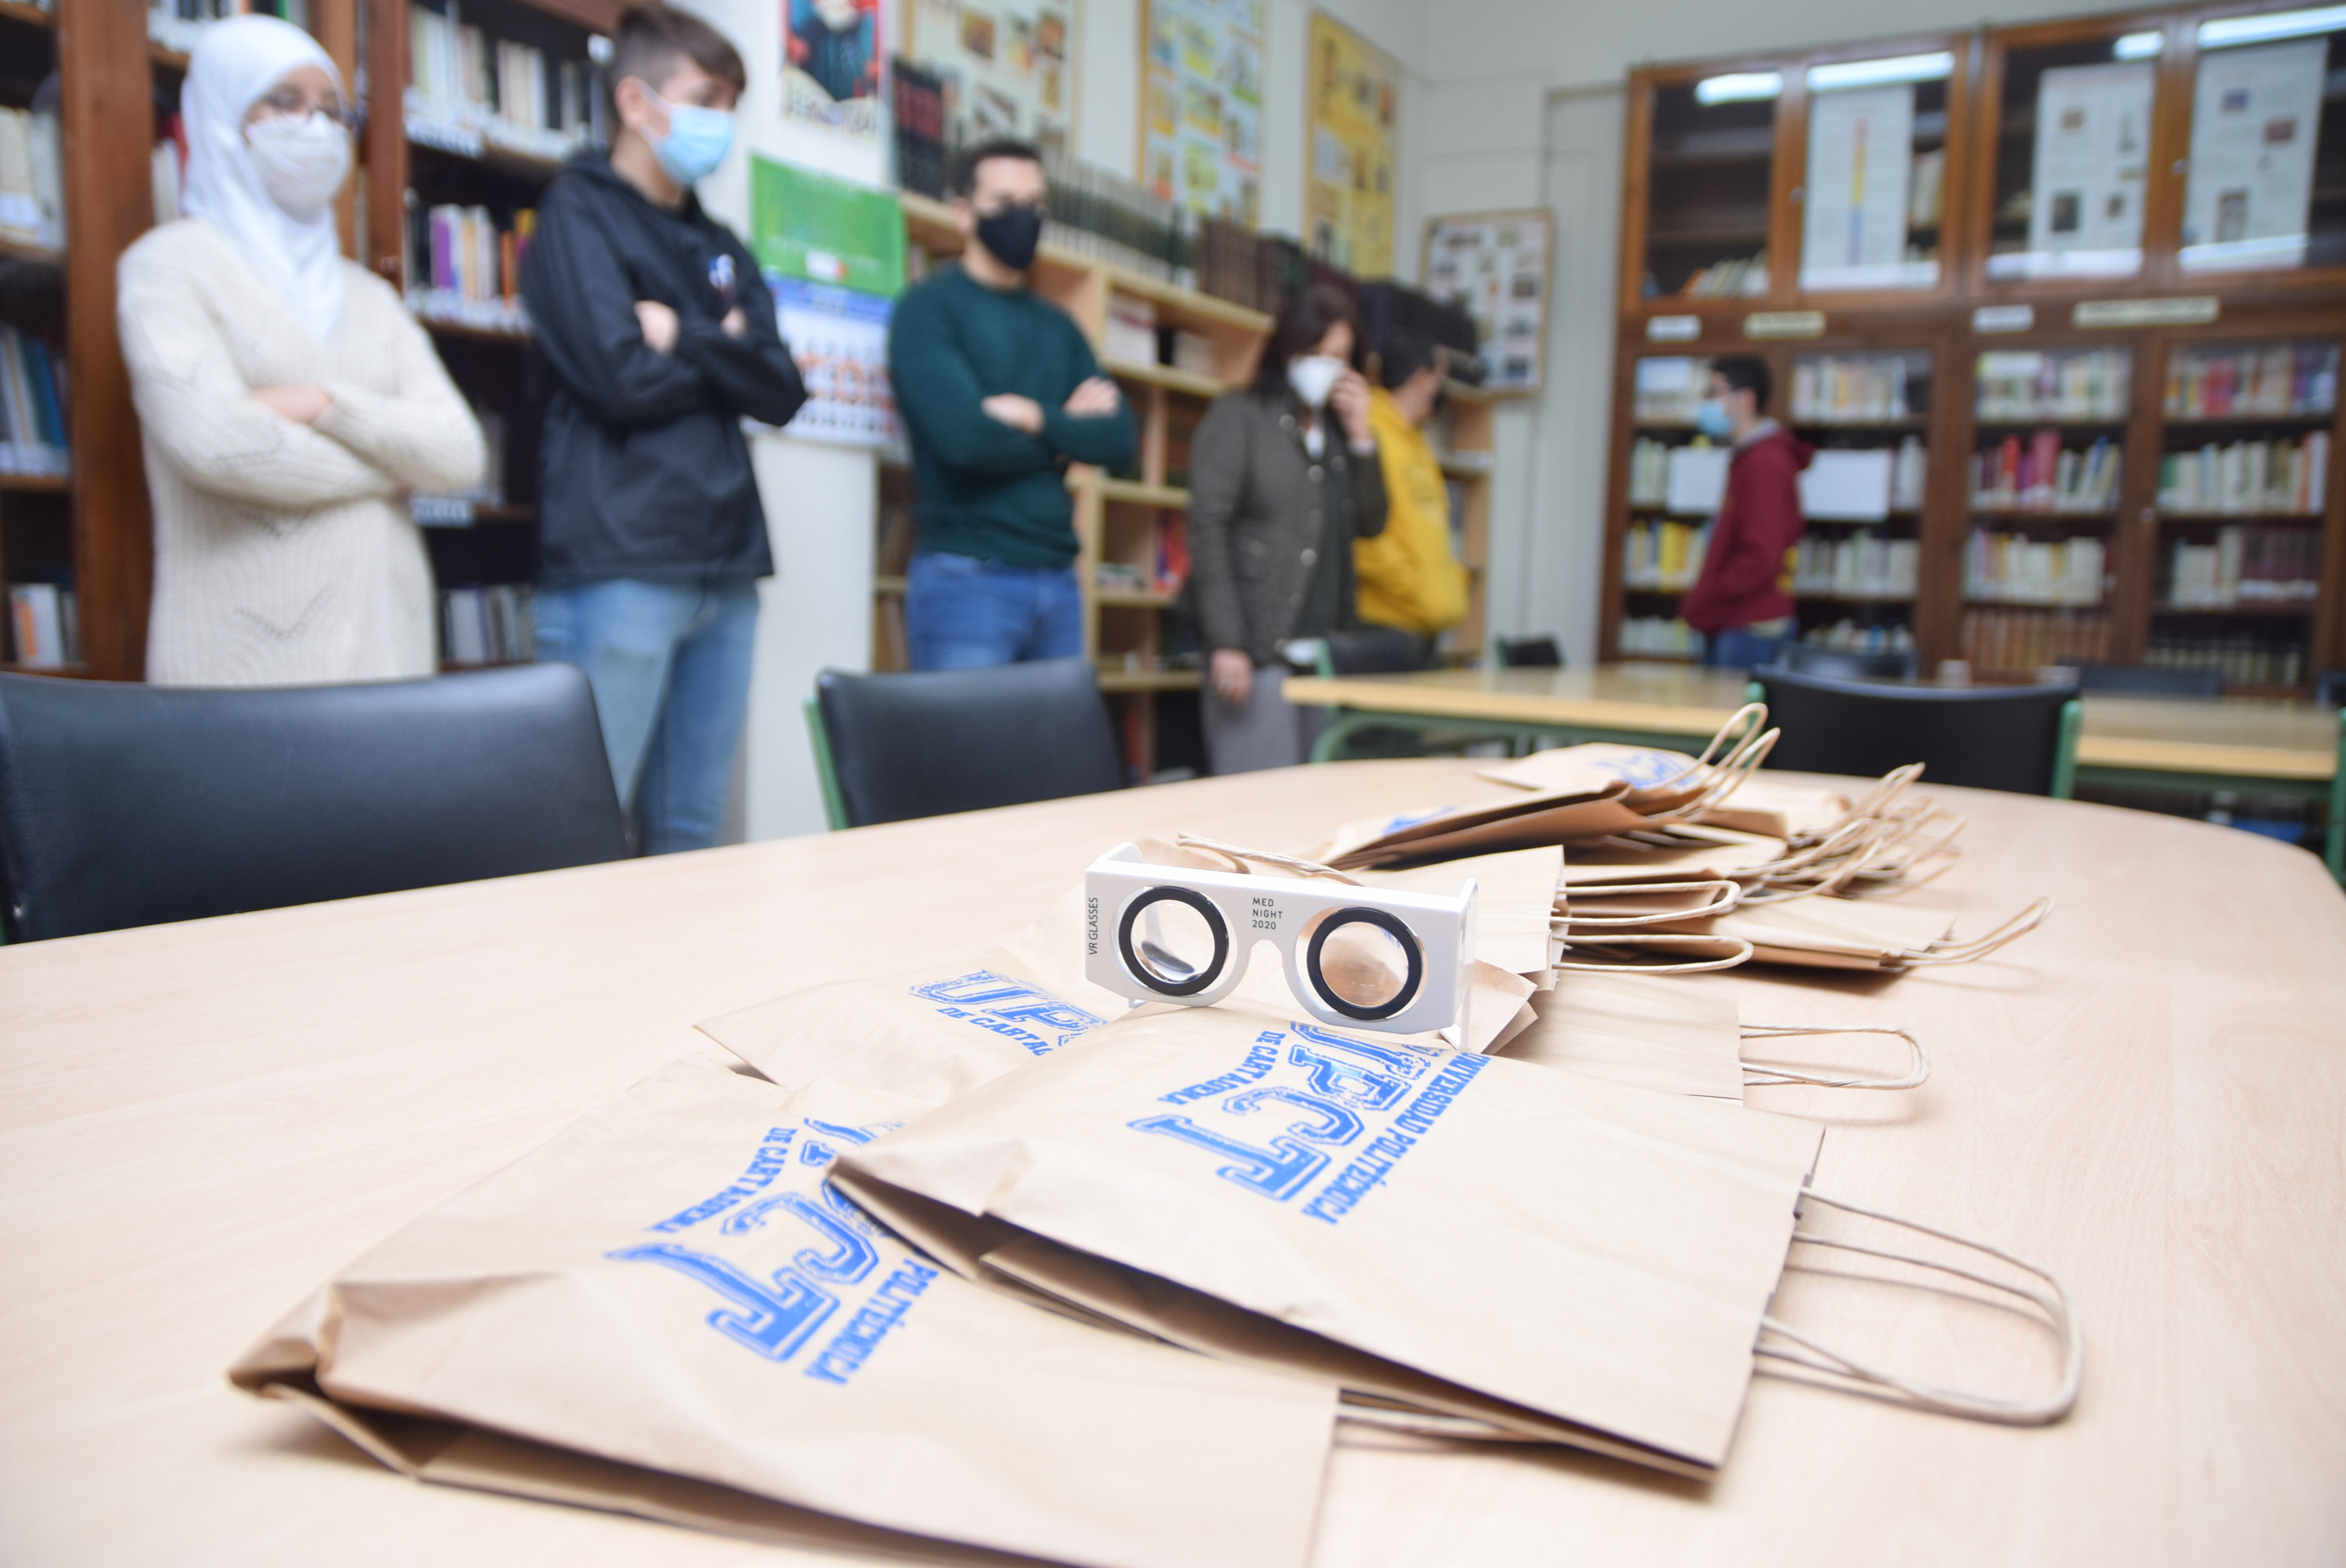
660	338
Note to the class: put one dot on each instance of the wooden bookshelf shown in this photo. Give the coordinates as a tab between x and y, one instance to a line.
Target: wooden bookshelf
1992	303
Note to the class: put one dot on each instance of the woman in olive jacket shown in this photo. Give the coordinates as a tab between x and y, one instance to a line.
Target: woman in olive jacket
1283	476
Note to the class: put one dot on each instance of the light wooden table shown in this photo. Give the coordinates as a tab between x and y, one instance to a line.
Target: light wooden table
200	1122
2127	742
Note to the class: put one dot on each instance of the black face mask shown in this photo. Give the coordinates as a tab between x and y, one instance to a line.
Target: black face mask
1012	233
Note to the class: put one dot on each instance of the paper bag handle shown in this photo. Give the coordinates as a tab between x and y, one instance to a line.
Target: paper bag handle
1699	966
1758	1074
1724	896
1239	857
2054	1301
1978	947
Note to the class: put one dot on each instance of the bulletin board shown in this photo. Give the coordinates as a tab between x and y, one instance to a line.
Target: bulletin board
1201	106
1495	266
1008	66
832	64
1353	95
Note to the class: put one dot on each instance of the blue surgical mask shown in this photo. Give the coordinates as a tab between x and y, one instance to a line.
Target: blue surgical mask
698	140
1710	418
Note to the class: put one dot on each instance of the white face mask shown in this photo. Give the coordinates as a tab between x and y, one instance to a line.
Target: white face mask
1313	377
301	162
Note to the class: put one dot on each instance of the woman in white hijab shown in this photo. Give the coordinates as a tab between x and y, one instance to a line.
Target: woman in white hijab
288	403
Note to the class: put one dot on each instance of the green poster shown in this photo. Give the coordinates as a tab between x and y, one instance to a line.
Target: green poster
824	230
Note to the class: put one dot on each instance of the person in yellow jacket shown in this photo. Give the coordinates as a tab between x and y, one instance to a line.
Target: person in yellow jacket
1408	577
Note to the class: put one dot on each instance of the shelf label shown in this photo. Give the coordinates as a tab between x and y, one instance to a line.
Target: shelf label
2185	310
1673	328
1784	324
2003	318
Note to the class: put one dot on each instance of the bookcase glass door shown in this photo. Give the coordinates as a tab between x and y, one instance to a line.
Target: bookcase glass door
1873	198
2266	187
2071	153
1675	478
1709	170
1867	412
2243	485
2043	490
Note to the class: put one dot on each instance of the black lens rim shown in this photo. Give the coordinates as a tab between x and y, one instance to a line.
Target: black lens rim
1197	900
1394	926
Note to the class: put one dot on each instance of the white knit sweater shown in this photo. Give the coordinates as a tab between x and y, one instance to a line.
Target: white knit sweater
284	554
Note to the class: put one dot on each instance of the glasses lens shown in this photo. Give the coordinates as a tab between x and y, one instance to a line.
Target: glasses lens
1174	943
1364	962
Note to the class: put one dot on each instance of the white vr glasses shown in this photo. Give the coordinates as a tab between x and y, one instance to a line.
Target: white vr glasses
1399	962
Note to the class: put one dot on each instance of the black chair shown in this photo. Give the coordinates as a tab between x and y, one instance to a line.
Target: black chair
2146	680
894	747
2330	689
2023	739
1528	653
1372	650
126	805
1844	664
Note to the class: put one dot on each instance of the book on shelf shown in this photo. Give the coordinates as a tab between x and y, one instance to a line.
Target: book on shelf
1862	566
33	436
1662	554
2285	379
464	267
2278	477
1131	335
469	92
1104	217
2015	569
2247	565
1740	277
487	624
42	630
917	99
1663	636
1172	553
32	180
2040	475
1668	388
2245	658
2089	384
1848	636
1852	389
179	25
2018	639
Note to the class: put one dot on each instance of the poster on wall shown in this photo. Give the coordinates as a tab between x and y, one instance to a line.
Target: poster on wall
1494	267
2255	116
831	66
833	253
2093	151
1201	106
1853	224
1007	66
1348	191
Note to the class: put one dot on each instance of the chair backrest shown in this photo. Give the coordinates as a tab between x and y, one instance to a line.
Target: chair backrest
124	805
1372	650
1528	652
2013	737
923	744
1844	664
2330	689
2149	681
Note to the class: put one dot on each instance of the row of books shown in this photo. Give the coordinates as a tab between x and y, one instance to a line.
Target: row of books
33	437
2014	569
2246	659
1666	637
2247	565
2030	383
1103	216
2271	478
1859	566
1848	636
465	267
2027	639
487	624
43	629
179	25
467	87
1163	570
32	180
917	104
2273	378
1658	555
1839	484
1854	389
2043	475
1742	278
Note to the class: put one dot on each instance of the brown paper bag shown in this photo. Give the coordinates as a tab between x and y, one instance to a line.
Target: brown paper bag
1826	932
1453	832
670	1284
1609	1248
1660	1035
1691	852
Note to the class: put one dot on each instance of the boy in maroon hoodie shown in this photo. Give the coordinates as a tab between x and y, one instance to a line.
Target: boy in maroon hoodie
1742	602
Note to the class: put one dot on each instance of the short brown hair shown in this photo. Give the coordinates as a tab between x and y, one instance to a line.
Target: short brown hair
965	178
650	40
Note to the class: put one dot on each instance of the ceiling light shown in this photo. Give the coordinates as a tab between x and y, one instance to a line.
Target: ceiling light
1881	73
2227	30
1740	89
2139	47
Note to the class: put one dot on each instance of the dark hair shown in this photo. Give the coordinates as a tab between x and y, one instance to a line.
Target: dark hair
965	178
1300	325
650	40
1404	353
1744	373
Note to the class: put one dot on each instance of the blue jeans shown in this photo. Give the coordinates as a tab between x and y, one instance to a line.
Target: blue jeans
962	613
669	663
1738	647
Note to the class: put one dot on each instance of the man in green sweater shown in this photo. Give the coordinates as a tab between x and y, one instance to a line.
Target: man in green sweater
999	394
